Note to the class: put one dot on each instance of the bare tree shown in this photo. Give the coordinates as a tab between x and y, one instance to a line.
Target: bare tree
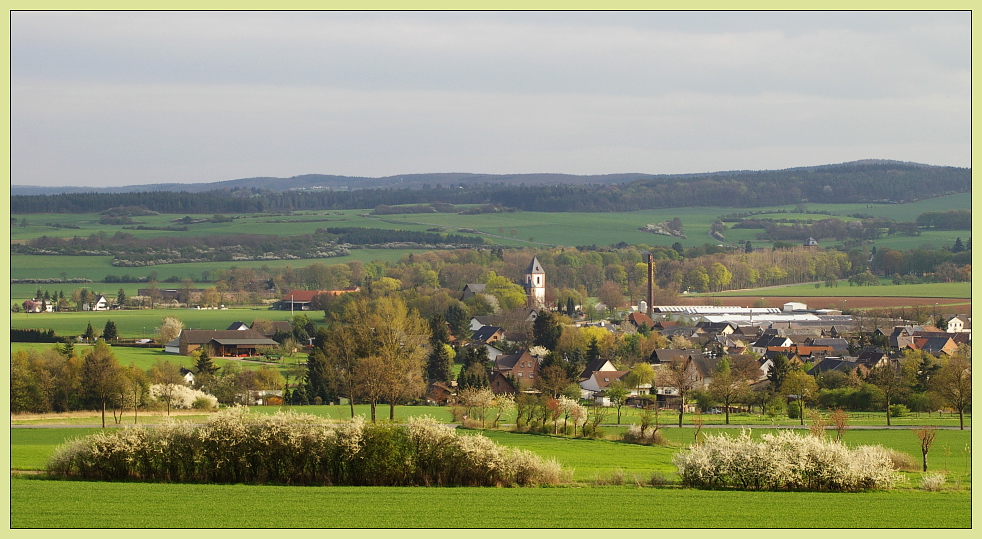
680	376
840	420
926	436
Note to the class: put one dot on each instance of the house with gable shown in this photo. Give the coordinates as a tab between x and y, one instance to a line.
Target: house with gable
935	345
100	303
761	345
523	367
472	290
640	319
959	324
477	322
596	385
488	335
300	300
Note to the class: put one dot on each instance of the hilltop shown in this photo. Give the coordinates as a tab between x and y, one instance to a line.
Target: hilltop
315	182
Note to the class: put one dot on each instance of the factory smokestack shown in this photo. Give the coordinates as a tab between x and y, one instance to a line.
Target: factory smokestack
651	284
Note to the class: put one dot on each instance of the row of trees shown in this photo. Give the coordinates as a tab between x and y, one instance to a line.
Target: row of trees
59	379
918	381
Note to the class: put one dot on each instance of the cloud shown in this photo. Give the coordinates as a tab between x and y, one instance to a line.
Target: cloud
176	96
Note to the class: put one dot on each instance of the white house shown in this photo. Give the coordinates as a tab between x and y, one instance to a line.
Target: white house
99	304
959	324
599	381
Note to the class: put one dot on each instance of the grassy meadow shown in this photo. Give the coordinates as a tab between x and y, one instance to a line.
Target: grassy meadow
589	458
38	503
144	323
627	468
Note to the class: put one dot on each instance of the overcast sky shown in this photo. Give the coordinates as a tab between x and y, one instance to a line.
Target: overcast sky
102	99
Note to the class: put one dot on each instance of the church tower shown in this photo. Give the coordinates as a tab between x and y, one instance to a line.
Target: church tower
535	284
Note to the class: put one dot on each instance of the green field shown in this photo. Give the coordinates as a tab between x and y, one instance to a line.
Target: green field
510	229
590	458
96	268
144	323
72	504
48	503
144	358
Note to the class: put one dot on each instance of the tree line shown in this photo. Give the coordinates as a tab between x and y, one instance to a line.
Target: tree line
61	379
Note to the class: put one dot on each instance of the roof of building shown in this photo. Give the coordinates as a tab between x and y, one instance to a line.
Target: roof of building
202	336
535	266
485	332
604	378
508	362
301	296
245	342
594	366
640	319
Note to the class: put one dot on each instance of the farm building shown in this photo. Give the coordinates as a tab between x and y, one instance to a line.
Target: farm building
224	343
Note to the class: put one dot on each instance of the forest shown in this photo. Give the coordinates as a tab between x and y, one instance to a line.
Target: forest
873	182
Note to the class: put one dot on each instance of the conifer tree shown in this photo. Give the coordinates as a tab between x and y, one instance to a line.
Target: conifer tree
109	332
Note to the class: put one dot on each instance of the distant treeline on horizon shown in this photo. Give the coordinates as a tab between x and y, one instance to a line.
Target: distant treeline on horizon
891	182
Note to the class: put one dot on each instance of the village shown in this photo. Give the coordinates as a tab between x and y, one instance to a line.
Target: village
695	340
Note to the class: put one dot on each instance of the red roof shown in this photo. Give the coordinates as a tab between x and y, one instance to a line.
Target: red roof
301	295
308	295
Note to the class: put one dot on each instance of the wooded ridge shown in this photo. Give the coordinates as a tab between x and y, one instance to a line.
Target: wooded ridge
881	182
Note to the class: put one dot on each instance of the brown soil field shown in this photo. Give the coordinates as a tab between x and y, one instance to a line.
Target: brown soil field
946	305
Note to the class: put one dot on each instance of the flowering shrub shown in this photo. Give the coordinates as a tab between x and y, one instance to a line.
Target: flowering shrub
300	449
933	481
784	461
182	396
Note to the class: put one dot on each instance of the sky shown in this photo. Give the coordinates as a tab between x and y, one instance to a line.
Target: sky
127	98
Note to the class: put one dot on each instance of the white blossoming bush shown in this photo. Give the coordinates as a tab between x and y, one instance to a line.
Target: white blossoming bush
300	449
181	396
933	481
784	461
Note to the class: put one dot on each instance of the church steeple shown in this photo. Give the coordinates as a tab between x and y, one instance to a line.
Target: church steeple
535	284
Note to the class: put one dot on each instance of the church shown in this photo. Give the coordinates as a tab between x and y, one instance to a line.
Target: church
534	284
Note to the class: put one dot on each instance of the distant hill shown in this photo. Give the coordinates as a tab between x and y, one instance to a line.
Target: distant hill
856	182
317	182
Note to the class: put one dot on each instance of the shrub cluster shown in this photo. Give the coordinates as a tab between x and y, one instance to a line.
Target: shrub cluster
634	435
183	397
301	449
784	461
